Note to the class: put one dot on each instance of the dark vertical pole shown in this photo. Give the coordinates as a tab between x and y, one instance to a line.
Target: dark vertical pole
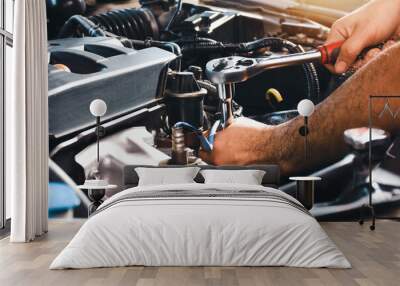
98	139
371	207
370	149
306	138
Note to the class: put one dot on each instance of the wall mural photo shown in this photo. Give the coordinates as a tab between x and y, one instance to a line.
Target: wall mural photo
194	83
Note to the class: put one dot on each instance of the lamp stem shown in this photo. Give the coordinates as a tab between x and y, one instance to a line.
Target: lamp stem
306	138
98	138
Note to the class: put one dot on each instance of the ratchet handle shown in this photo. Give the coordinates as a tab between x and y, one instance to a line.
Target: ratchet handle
330	52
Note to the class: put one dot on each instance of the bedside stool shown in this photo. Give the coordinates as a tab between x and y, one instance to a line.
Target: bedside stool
305	190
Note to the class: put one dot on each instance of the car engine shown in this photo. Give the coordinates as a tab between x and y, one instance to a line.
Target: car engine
147	61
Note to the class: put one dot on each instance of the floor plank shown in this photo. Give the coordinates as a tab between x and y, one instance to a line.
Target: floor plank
375	257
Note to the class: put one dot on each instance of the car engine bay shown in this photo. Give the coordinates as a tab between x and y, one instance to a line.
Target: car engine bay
148	62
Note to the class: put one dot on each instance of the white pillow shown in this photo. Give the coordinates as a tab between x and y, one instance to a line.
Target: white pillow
248	177
164	176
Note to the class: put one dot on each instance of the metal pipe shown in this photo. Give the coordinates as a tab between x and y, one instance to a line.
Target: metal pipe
224	108
229	93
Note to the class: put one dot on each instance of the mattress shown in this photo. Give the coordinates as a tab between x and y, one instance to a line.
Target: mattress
201	225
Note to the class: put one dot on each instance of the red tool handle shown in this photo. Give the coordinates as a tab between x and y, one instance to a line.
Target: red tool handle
330	52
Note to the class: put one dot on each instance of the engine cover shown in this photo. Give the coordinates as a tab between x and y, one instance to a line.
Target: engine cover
83	69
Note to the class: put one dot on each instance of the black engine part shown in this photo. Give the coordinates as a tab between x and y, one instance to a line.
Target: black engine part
86	26
184	99
130	23
83	69
59	11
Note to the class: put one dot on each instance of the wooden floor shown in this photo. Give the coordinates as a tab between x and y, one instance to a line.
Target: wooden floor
375	257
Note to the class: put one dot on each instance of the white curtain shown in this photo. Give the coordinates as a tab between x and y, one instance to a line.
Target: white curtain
27	123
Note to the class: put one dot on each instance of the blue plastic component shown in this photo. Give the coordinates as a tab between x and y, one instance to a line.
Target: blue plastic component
61	198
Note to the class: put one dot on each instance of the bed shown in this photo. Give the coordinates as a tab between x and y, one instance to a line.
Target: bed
201	224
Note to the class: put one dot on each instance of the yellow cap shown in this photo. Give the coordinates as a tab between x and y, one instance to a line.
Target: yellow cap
275	93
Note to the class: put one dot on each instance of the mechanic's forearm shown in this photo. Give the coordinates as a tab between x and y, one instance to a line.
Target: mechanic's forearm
346	108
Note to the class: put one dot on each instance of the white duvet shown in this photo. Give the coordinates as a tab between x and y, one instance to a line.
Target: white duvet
204	231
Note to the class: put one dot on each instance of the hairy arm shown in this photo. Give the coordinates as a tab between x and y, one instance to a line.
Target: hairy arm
247	142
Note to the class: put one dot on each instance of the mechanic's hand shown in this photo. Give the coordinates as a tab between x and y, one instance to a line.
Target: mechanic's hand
243	142
369	25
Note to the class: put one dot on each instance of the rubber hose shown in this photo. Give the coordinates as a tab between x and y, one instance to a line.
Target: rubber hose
84	24
169	46
211	89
